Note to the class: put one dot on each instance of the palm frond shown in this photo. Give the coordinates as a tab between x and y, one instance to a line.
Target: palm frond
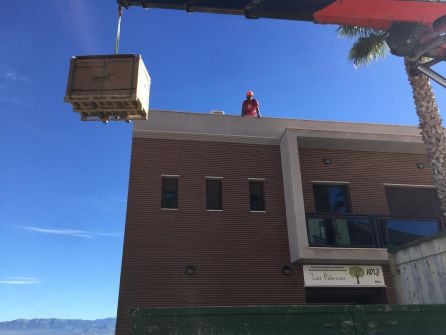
370	44
345	31
367	49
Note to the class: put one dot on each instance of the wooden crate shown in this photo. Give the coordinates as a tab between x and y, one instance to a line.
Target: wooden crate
109	87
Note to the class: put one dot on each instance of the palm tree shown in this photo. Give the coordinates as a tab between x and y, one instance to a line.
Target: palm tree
370	45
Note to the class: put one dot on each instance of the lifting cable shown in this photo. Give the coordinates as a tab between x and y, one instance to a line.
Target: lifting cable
118	30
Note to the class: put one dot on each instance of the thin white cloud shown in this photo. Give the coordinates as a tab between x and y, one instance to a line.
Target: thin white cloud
13	101
67	232
63	231
19	281
9	100
16	77
108	234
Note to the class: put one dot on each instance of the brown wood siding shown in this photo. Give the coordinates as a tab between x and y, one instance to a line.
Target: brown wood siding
366	172
238	255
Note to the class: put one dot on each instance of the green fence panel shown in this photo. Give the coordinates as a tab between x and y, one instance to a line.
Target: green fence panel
403	319
287	320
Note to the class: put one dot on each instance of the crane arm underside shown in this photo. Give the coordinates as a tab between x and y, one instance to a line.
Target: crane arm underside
379	14
302	10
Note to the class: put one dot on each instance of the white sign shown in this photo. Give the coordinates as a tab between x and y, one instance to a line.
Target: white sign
344	275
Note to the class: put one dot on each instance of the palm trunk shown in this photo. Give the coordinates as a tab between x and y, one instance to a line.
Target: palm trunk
432	130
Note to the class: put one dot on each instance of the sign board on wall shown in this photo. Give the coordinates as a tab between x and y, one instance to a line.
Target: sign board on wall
343	275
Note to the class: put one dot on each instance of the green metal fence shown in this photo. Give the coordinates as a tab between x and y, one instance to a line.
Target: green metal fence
346	320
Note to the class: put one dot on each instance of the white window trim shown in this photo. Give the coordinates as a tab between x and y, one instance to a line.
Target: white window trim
213	178
408	185
257	179
214	210
169	209
257	211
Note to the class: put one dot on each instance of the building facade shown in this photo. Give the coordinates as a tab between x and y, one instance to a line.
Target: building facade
231	211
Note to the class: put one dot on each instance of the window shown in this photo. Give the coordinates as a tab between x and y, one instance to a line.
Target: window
398	231
412	201
169	192
213	194
415	212
256	195
330	198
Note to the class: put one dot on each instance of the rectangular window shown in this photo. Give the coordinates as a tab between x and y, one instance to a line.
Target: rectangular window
331	198
169	192
256	195
412	201
398	231
415	212
214	194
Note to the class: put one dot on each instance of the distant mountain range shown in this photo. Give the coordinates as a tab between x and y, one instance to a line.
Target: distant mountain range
58	327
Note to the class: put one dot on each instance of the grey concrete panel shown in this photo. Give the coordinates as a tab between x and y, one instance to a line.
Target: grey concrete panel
300	250
420	272
312	134
294	201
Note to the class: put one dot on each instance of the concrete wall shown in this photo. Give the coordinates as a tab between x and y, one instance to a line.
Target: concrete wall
365	172
419	271
324	134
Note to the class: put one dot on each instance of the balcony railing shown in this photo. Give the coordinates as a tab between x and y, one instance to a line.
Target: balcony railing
364	231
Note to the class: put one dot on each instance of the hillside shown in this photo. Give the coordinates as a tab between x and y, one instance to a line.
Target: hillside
58	327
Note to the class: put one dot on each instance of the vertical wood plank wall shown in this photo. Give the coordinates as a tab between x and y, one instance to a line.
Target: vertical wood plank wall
237	254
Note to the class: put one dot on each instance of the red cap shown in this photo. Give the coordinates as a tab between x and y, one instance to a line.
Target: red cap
250	93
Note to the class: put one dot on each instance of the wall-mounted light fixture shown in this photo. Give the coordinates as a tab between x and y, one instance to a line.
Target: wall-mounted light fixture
286	270
189	270
423	165
327	161
420	165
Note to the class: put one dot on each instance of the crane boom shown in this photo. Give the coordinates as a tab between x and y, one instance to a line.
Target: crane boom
276	9
379	14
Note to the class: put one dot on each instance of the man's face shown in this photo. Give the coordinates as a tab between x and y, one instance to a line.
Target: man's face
249	97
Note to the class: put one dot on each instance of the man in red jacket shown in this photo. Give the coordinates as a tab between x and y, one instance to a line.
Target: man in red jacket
250	106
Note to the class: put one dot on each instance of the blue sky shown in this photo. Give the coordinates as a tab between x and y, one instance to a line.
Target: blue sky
63	182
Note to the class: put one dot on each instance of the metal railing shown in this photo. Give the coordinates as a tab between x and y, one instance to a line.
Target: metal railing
367	231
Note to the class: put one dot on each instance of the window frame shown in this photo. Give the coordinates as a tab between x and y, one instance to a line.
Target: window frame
209	178
262	181
163	201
